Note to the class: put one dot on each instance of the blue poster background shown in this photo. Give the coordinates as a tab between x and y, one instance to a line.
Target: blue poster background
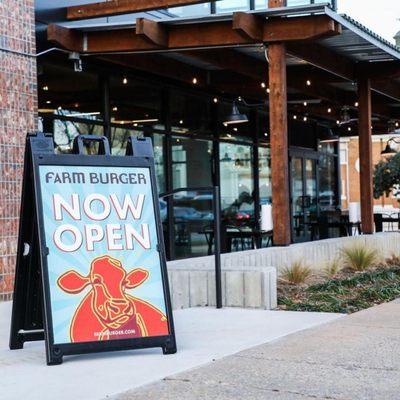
64	304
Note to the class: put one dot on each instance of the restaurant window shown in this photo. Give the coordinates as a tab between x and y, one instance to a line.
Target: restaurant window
135	105
192	209
191	162
236	186
192	10
229	6
190	115
328	182
119	139
65	131
261	4
158	148
66	93
264	166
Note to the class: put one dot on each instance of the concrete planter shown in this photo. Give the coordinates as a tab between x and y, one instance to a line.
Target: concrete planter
249	277
250	287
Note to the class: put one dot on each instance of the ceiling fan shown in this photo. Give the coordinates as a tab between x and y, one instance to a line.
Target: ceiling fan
345	117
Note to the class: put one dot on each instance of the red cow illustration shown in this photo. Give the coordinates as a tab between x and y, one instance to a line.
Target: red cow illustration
107	311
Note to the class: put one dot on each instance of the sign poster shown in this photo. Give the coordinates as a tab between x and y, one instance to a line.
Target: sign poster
103	262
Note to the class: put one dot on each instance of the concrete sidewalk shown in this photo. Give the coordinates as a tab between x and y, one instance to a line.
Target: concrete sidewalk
356	357
203	335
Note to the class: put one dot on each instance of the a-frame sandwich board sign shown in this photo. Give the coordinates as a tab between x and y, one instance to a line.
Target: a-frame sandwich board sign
91	273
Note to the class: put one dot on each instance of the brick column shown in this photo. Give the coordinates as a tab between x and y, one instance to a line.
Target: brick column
18	104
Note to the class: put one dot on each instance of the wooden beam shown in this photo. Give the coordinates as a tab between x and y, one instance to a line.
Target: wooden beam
299	28
198	35
336	64
255	69
118	7
249	25
323	58
365	155
379	70
153	31
279	144
386	87
279	139
65	37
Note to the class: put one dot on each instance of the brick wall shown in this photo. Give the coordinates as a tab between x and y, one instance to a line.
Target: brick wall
18	103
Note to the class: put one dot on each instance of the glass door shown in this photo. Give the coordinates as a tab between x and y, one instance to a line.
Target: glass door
192	213
304	197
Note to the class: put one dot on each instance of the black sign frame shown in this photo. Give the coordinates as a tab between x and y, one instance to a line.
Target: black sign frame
31	314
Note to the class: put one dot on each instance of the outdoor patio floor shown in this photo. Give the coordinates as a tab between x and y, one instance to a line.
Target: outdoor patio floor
203	336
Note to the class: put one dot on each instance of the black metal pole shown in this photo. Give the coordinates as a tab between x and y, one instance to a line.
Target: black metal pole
217	247
106	107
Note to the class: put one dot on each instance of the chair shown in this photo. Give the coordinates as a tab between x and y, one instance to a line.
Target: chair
378	219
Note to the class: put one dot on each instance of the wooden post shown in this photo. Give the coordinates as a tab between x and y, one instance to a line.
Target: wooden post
279	139
365	155
279	143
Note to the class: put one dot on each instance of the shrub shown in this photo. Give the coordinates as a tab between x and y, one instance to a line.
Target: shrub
359	257
393	260
332	268
297	273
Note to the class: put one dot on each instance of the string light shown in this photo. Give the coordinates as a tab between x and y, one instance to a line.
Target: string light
48	102
294	116
265	134
125	80
356	104
337	122
194	81
305	104
115	109
235	129
305	118
329	110
215	100
181	121
308	82
268	90
45	88
263	85
349	128
396	124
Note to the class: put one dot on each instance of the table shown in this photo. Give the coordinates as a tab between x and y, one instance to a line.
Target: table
230	234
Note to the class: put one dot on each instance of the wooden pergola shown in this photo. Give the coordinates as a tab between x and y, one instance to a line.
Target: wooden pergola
320	55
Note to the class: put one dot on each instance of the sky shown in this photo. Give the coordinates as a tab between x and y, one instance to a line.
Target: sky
381	16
